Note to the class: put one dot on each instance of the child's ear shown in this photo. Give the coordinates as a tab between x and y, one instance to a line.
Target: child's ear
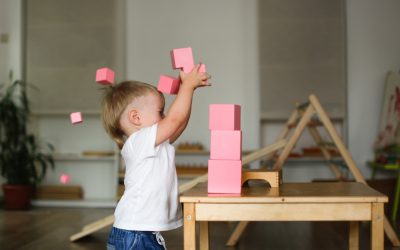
134	117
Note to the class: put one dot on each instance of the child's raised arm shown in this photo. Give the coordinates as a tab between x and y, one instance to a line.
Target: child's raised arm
172	125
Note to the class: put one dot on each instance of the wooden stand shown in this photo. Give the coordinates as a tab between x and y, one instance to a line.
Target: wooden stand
274	178
300	119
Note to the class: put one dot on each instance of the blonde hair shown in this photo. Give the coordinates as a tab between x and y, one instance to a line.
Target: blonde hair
116	99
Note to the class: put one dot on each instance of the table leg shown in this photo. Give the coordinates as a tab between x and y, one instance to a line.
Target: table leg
189	226
204	241
377	233
354	235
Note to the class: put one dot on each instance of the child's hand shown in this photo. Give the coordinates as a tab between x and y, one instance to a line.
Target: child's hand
195	79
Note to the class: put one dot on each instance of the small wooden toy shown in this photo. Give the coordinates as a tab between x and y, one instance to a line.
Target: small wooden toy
226	145
224	117
76	117
105	76
168	84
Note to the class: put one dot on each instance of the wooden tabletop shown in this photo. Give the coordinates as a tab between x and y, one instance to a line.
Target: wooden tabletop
322	192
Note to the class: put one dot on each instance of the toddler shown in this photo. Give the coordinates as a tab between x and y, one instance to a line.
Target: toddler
133	115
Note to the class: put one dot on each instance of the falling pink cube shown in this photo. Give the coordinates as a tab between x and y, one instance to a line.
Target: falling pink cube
64	178
202	68
76	117
182	58
224	176
224	117
105	76
168	84
226	145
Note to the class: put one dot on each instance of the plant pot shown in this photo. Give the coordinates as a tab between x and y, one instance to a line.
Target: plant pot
17	197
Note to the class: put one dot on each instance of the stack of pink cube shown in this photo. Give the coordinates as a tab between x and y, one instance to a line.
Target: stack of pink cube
225	164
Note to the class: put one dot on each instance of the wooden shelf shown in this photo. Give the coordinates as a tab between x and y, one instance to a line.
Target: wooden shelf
81	157
191	171
58	192
105	203
309	159
182	171
387	166
203	152
192	152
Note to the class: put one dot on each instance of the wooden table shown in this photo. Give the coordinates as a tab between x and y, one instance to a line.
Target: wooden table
342	201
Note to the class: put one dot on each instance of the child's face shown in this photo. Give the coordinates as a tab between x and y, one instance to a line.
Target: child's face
153	109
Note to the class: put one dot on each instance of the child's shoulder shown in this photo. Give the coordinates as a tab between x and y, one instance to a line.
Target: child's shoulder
143	134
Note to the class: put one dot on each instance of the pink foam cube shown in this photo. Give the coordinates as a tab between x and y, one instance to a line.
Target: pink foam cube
224	176
226	145
168	84
182	58
76	117
105	76
224	117
65	178
202	68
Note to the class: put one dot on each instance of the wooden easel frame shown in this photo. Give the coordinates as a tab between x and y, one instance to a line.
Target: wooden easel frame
109	220
302	117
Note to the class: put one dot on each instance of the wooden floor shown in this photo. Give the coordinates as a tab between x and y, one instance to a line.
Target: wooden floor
50	228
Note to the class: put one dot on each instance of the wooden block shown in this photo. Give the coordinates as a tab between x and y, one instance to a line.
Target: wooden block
224	176
65	178
224	117
168	84
105	76
182	58
76	117
226	145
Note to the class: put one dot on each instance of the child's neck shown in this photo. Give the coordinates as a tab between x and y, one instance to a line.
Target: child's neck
129	131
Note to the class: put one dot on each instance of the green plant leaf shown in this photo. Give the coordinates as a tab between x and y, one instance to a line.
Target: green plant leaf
21	158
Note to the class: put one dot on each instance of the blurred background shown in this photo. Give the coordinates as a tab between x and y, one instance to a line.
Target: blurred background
263	55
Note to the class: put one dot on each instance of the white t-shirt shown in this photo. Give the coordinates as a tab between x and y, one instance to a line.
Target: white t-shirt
150	201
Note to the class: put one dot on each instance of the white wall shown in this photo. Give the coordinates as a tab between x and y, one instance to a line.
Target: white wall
223	35
373	47
10	52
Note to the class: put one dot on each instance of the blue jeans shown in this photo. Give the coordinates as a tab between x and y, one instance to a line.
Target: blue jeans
121	239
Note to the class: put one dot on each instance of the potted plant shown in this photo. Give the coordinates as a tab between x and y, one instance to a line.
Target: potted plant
22	161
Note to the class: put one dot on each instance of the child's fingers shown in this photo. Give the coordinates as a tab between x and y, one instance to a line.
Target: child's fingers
205	76
196	68
205	84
